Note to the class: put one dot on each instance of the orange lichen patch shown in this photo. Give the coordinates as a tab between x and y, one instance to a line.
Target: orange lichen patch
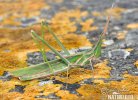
84	14
11	96
89	91
75	41
32	89
9	61
96	14
101	70
121	35
2	70
69	40
98	81
22	6
51	88
126	86
14	35
63	27
21	39
65	95
22	54
11	12
136	63
129	49
87	25
10	21
6	86
132	26
114	12
129	84
76	75
62	24
4	41
69	14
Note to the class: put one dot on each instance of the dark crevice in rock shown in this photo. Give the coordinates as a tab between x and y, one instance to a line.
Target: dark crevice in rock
18	88
6	76
69	87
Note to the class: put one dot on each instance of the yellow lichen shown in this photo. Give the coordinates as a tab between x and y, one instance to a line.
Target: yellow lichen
6	86
101	70
136	63
129	49
34	5
90	92
129	84
126	86
96	14
65	95
84	14
75	41
98	81
116	12
32	89
121	35
10	61
76	75
87	25
51	88
132	26
11	96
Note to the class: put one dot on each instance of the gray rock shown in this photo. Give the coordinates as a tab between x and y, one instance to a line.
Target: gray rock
86	81
47	13
6	76
36	57
108	42
133	72
128	3
18	88
131	15
28	21
45	82
132	38
51	96
118	53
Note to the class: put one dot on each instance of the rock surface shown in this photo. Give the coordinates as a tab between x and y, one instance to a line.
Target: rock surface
70	20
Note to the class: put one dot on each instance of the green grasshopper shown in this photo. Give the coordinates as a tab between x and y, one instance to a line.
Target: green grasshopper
59	65
63	63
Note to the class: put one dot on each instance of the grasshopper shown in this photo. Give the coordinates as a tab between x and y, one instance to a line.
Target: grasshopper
58	65
63	63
